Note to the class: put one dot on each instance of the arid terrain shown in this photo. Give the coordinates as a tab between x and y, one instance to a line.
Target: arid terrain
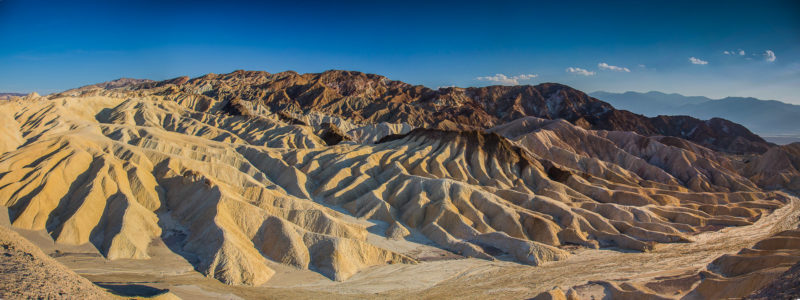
350	185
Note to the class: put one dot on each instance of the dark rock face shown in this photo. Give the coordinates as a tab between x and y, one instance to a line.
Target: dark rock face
373	98
331	134
290	119
558	174
236	107
473	141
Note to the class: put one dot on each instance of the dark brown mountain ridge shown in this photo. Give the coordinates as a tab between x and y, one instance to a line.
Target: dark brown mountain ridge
370	98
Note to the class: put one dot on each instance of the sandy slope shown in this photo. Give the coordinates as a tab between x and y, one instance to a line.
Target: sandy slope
29	273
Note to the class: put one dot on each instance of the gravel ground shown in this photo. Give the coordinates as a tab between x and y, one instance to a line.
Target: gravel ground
28	273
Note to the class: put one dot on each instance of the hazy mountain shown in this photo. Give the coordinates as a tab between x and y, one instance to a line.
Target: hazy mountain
764	117
6	96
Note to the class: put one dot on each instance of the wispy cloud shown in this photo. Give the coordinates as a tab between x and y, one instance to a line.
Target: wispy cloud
605	66
579	71
697	61
739	52
503	79
769	56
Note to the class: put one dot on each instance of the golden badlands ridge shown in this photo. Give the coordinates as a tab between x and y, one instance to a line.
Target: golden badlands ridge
154	182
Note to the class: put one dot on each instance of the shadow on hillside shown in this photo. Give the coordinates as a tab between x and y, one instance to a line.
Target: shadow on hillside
131	290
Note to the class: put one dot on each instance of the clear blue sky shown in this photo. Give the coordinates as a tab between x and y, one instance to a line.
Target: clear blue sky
49	46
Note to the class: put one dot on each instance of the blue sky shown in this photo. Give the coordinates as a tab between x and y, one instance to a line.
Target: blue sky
49	46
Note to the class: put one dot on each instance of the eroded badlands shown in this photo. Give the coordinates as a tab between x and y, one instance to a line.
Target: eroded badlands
305	202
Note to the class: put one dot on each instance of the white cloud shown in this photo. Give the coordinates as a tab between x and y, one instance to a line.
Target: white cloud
503	79
769	55
642	66
605	66
739	52
697	61
579	71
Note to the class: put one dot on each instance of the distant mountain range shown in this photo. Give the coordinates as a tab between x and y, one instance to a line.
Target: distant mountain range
370	98
769	118
6	96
